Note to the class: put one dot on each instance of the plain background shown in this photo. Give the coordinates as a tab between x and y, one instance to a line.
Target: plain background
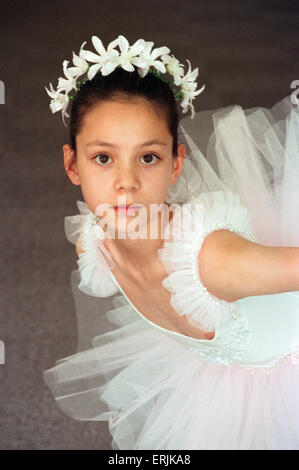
246	53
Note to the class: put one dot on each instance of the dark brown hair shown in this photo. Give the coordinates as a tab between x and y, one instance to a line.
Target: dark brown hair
121	84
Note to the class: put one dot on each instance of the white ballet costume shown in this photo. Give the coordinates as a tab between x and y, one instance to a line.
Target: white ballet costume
160	389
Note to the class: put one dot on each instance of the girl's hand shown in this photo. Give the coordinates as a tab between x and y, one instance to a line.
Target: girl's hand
78	247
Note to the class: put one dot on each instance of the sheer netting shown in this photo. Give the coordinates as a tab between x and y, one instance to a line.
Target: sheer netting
252	152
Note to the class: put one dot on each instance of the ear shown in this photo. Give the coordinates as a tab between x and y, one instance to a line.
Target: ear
70	164
178	163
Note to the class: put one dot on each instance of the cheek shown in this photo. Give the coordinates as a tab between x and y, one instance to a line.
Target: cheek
95	188
90	177
160	179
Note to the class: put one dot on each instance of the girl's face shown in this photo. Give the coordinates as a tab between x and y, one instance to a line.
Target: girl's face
123	149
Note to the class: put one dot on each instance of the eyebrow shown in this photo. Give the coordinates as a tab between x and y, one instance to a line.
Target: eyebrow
109	144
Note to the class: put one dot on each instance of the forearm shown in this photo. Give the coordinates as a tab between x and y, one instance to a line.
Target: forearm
292	280
271	269
232	267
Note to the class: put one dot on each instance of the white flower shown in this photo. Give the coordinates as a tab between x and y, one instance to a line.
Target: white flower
64	115
141	55
148	58
81	66
174	68
188	87
128	53
59	102
52	93
70	82
104	61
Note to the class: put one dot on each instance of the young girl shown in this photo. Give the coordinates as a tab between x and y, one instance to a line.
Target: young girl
188	332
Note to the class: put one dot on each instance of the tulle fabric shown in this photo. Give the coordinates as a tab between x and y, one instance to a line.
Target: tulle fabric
154	393
252	152
153	390
191	223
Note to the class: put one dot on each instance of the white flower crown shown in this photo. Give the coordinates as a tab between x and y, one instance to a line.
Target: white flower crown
139	54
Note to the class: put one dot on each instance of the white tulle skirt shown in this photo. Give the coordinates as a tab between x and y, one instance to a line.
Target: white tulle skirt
157	394
154	392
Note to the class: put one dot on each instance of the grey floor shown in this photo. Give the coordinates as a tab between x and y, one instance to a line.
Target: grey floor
247	53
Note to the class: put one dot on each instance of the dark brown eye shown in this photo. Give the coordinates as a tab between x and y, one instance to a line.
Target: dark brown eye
149	158
102	158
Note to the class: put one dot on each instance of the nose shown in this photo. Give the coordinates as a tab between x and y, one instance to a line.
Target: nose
126	179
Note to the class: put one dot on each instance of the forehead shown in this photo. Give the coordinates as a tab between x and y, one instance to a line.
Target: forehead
124	118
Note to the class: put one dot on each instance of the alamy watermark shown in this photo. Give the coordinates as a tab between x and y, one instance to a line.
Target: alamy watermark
294	95
136	221
2	353
2	92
